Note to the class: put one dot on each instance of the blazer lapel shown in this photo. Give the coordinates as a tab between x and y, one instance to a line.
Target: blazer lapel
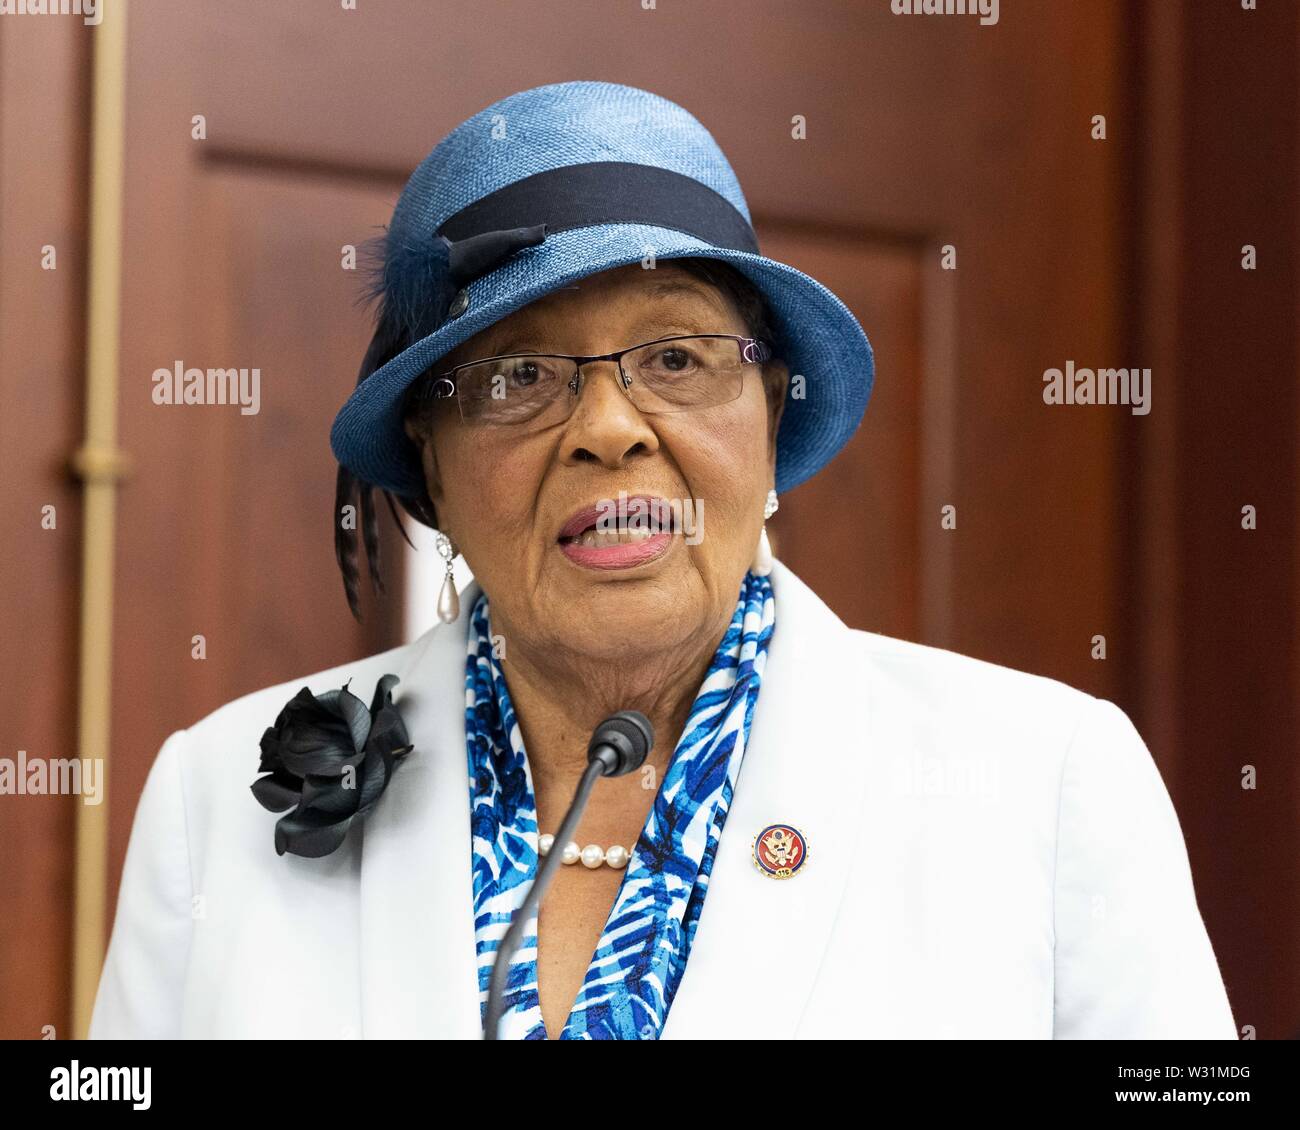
419	976
759	941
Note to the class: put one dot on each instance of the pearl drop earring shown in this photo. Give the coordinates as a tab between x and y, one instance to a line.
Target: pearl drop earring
762	563
448	598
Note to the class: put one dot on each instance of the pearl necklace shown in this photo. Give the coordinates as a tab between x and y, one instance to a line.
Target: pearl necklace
593	855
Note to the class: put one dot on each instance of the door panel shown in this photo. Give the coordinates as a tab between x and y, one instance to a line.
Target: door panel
852	531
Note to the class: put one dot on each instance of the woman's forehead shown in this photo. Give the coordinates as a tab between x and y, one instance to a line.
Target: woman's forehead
639	295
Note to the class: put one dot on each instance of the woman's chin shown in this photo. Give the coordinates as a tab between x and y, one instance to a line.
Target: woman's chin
609	610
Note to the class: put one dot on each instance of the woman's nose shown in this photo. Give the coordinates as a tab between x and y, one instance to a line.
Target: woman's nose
606	426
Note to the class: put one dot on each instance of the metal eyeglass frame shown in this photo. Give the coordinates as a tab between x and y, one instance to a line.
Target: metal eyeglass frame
443	387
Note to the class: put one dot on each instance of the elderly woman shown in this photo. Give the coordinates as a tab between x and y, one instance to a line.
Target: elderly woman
587	379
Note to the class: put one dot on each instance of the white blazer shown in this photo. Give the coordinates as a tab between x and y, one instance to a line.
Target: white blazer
990	854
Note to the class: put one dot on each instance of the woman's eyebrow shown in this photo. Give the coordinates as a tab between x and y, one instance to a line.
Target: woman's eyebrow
504	344
654	328
678	319
523	340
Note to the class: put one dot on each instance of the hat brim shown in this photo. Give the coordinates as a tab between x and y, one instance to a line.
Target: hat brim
821	341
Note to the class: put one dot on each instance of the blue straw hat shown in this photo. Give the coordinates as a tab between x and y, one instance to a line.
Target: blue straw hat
551	185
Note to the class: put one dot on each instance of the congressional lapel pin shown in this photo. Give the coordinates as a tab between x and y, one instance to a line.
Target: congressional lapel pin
780	851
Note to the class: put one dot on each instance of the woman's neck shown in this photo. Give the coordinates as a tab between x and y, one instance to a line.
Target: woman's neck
559	699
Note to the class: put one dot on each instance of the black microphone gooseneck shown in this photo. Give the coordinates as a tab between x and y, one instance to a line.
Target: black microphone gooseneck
618	745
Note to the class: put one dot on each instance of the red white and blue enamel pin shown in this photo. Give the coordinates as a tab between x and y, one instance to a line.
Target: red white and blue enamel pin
780	851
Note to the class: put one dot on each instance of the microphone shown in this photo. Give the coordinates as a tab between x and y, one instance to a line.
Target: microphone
619	745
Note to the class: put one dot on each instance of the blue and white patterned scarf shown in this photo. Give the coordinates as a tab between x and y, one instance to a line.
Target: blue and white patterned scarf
642	951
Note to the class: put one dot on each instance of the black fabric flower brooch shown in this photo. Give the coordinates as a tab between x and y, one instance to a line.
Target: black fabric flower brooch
329	759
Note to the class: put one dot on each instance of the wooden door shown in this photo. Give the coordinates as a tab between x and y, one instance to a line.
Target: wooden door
950	187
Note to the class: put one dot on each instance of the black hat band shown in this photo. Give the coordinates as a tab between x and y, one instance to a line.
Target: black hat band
522	214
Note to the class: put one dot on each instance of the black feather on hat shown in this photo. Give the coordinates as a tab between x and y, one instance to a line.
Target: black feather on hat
415	282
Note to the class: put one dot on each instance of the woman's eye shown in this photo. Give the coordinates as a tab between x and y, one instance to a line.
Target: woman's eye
675	360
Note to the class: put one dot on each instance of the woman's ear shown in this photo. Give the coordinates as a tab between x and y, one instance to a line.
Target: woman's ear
416	430
420	433
776	379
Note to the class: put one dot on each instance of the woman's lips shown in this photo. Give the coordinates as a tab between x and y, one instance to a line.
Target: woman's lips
616	550
648	509
635	531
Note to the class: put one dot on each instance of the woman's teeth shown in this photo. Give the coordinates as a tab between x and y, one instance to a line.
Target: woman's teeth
596	539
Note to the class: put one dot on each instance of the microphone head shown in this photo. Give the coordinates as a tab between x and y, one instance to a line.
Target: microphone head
631	738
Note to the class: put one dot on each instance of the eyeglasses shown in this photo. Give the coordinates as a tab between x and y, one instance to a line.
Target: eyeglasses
671	374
